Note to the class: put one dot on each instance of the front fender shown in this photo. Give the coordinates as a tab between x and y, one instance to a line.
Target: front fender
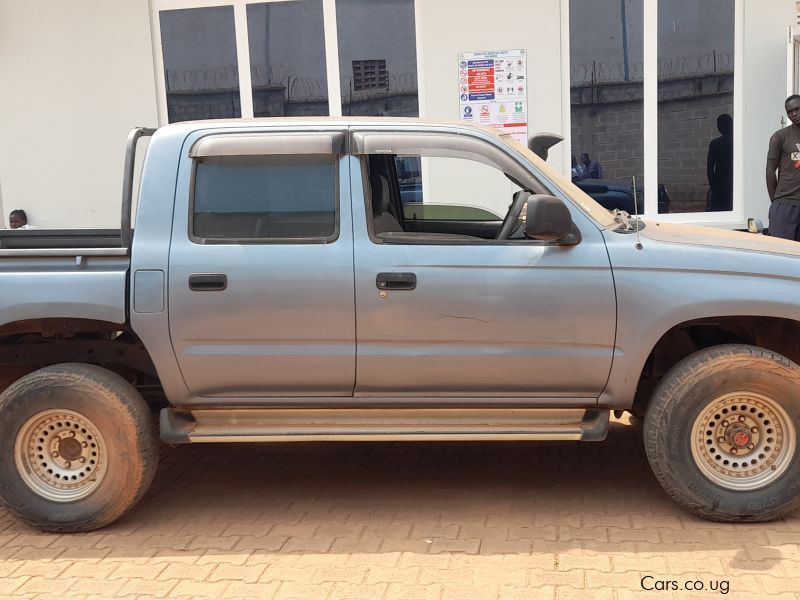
664	285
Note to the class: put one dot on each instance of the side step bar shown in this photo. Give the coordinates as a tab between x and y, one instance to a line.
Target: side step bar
381	424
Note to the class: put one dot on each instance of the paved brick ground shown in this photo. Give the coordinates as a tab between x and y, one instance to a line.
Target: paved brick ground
462	521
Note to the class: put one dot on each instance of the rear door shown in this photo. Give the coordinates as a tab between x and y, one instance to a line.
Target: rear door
261	298
462	315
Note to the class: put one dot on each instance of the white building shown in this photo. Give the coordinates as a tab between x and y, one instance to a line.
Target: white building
637	84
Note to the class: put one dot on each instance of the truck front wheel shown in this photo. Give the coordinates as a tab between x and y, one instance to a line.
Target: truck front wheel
721	434
78	447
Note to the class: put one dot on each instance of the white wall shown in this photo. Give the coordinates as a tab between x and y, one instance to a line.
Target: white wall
474	25
765	84
444	30
76	78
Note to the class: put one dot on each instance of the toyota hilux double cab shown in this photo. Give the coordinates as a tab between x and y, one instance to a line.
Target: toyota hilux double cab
274	289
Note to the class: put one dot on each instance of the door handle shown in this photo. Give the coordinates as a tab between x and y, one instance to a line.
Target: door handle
396	281
208	282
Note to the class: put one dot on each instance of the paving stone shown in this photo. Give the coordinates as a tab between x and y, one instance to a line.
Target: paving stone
200	589
473	592
353	591
227	572
251	591
407	575
402	591
424	521
182	571
9	584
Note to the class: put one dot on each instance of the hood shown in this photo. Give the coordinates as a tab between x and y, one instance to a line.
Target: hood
720	238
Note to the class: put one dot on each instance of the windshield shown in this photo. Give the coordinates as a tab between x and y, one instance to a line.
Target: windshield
583	200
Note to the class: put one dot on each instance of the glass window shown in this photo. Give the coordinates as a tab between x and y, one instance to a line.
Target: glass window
287	58
261	198
695	103
437	196
377	57
606	99
200	64
482	193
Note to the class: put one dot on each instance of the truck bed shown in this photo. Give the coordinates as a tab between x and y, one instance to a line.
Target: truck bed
56	282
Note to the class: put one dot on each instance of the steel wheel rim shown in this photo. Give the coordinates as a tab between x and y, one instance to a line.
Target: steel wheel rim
60	455
743	441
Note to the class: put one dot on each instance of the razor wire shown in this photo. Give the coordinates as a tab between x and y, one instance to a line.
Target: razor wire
226	79
669	68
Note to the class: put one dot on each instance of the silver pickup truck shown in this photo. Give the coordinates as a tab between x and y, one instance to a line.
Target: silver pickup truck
278	288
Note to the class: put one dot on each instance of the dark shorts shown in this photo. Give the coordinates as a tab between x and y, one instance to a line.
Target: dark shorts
784	221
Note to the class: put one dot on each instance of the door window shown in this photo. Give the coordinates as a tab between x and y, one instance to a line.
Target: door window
455	189
264	199
424	188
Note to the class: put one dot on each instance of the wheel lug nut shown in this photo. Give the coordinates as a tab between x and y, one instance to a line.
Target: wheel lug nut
55	453
741	418
734	451
84	444
724	423
754	429
751	446
721	440
68	464
82	459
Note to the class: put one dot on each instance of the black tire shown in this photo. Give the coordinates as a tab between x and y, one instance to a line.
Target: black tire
696	387
110	407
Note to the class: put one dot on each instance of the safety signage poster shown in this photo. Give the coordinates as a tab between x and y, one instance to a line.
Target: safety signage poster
493	90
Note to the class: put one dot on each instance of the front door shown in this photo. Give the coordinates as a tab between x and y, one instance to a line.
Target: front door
261	267
460	313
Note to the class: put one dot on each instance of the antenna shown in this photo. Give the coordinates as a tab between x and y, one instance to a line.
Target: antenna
636	212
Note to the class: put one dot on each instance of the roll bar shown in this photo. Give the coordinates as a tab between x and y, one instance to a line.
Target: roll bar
127	182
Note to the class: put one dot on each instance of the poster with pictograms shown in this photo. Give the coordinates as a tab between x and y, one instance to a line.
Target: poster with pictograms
493	90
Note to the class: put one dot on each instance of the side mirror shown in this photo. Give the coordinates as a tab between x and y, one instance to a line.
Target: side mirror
548	219
540	143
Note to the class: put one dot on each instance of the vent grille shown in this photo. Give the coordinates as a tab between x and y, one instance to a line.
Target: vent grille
371	75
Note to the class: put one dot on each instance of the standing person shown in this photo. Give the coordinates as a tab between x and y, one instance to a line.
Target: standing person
17	219
719	167
784	187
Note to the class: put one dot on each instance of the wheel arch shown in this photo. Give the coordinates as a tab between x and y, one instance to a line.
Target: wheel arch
777	334
30	344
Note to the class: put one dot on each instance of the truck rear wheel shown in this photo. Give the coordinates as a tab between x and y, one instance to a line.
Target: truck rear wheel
721	434
78	447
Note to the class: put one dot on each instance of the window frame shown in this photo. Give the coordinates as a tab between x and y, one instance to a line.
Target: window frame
360	149
331	45
305	143
733	219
